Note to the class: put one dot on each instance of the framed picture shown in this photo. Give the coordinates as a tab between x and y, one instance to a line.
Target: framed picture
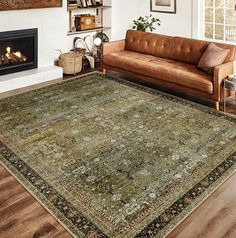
28	4
166	6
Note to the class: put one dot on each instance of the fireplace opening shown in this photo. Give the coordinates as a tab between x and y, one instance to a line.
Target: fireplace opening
18	50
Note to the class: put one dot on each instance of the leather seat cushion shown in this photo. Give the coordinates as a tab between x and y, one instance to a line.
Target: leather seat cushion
165	69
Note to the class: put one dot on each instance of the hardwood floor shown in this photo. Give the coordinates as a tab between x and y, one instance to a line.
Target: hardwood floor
21	216
215	218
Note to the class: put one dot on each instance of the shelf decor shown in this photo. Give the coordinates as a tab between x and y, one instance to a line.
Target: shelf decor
86	16
27	4
83	23
165	6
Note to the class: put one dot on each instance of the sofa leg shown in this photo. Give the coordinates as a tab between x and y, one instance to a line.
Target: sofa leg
217	106
104	71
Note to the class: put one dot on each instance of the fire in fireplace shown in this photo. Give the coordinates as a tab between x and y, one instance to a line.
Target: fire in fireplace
12	57
18	50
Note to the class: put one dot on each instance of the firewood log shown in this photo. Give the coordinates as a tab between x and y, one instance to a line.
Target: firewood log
13	57
23	57
6	60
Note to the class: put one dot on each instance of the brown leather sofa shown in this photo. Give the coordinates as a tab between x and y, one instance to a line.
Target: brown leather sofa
168	61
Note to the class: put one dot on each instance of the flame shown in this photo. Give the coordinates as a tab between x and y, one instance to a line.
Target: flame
18	54
8	49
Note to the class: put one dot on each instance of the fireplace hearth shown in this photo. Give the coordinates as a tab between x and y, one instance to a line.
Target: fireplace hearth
18	50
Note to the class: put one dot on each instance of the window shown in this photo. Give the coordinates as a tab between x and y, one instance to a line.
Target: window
220	20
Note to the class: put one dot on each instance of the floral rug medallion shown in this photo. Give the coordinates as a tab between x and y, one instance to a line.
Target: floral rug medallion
112	159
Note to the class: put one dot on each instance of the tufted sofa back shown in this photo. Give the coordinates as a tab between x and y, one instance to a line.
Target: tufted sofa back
190	50
176	48
148	43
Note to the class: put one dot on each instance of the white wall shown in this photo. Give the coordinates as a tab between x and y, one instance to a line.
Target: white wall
179	24
51	24
123	14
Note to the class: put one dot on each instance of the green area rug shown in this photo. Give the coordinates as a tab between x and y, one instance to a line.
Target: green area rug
112	159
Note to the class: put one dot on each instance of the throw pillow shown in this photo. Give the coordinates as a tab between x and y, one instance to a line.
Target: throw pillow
212	57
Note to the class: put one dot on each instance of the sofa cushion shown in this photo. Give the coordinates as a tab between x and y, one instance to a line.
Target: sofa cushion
148	43
212	57
176	72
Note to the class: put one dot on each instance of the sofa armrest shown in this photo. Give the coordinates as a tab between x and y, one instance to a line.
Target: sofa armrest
220	73
113	47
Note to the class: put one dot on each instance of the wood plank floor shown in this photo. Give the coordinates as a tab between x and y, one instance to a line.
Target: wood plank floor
21	216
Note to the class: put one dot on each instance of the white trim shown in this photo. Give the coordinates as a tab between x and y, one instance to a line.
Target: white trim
224	21
219	41
196	19
214	20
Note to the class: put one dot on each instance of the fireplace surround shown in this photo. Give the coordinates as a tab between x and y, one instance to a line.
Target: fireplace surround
18	50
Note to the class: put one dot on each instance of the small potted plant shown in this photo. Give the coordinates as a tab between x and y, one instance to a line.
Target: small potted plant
146	23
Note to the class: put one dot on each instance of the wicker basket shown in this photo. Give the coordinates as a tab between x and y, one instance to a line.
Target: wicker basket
71	62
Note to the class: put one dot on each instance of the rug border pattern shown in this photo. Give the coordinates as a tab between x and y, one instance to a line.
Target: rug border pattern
77	222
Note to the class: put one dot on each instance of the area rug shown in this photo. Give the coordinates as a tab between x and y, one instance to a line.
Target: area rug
109	158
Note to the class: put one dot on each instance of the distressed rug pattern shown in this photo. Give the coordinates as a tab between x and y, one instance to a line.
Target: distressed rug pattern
109	158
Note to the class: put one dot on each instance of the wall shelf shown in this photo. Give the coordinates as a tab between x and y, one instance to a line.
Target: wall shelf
71	33
98	12
72	8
